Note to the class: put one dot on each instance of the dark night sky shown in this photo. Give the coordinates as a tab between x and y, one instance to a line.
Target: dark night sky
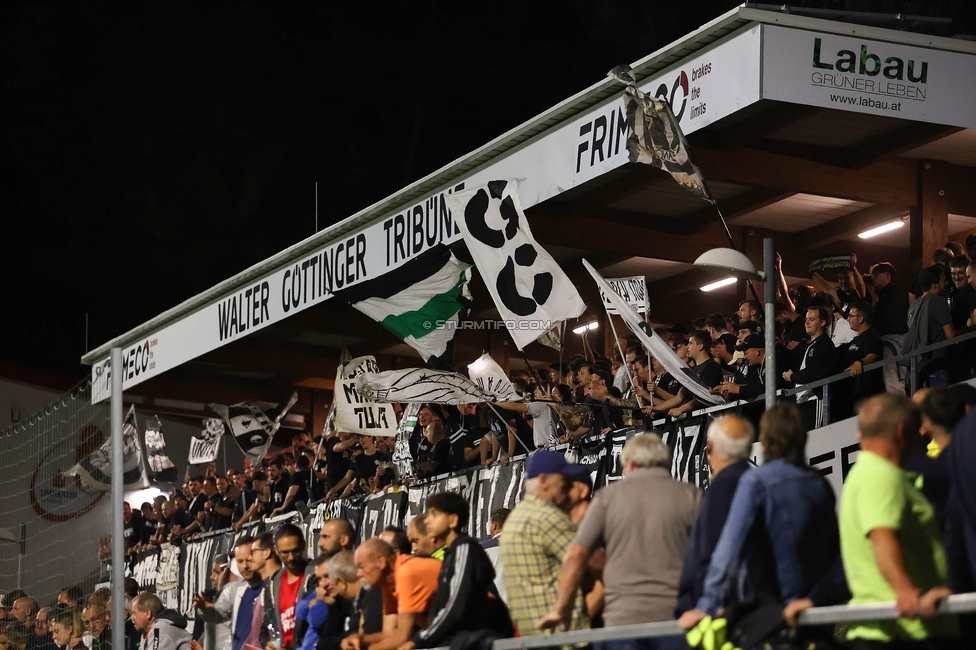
149	150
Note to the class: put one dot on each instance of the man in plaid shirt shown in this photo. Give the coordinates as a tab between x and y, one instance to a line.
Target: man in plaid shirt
537	534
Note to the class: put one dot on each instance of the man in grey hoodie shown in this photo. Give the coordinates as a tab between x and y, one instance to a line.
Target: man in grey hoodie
164	629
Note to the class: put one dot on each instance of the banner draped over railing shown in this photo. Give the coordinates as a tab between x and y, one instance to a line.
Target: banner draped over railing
486	489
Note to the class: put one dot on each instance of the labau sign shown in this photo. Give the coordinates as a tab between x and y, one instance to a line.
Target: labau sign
852	73
868	63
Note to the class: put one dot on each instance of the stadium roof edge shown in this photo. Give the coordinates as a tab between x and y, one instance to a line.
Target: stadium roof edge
731	21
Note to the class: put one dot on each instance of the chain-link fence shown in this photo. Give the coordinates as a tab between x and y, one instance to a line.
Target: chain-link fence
50	522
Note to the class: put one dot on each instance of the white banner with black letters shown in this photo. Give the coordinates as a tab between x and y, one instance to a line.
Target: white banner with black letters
490	378
633	290
205	448
357	413
527	285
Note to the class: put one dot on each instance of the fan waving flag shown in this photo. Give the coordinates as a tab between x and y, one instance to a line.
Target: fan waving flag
528	287
421	302
655	344
95	470
254	424
655	137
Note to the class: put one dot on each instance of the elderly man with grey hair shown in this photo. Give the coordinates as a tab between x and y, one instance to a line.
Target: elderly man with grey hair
643	522
730	439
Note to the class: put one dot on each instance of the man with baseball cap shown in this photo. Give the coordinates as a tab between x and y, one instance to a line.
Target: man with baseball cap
753	347
537	534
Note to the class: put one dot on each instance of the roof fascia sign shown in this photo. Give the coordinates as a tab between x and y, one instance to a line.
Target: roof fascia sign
717	81
862	75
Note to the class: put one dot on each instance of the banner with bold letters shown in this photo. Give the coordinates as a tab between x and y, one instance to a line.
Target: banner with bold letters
356	413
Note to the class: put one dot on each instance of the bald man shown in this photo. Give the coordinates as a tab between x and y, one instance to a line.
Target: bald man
889	539
729	442
336	535
407	582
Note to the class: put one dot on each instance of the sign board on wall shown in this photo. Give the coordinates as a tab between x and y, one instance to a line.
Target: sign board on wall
867	76
717	81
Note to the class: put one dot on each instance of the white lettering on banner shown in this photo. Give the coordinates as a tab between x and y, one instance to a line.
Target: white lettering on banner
548	163
857	74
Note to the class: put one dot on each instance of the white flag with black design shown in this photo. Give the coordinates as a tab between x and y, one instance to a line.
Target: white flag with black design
421	385
254	424
490	378
655	345
161	468
95	470
526	284
205	448
355	412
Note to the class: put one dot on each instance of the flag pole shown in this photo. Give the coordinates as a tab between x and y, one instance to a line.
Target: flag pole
620	349
728	233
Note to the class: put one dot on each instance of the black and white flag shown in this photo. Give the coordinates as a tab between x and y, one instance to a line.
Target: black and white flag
655	345
655	137
527	285
205	448
402	458
95	470
254	424
161	468
421	385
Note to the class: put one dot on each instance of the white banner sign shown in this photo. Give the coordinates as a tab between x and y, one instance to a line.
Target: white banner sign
205	448
865	76
719	80
633	290
355	413
831	450
490	378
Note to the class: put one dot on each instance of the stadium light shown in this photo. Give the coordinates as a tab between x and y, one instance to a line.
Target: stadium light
882	229
582	329
719	284
729	260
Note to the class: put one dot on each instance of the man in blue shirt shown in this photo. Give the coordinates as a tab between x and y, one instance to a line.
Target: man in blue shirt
781	533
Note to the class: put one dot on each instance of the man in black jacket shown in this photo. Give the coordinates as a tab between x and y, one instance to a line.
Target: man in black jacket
818	361
729	443
466	599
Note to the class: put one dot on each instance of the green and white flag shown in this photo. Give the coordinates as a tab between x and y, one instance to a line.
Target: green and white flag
420	302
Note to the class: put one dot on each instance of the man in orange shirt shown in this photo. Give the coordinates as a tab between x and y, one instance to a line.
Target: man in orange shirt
407	582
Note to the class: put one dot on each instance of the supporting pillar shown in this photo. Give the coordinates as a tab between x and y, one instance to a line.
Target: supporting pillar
118	497
929	218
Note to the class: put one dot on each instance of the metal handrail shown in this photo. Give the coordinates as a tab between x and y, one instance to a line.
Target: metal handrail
883	362
956	604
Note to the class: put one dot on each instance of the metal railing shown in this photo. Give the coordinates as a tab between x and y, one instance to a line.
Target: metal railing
912	357
957	604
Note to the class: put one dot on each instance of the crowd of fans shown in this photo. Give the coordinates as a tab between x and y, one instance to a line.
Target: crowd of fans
760	546
844	327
